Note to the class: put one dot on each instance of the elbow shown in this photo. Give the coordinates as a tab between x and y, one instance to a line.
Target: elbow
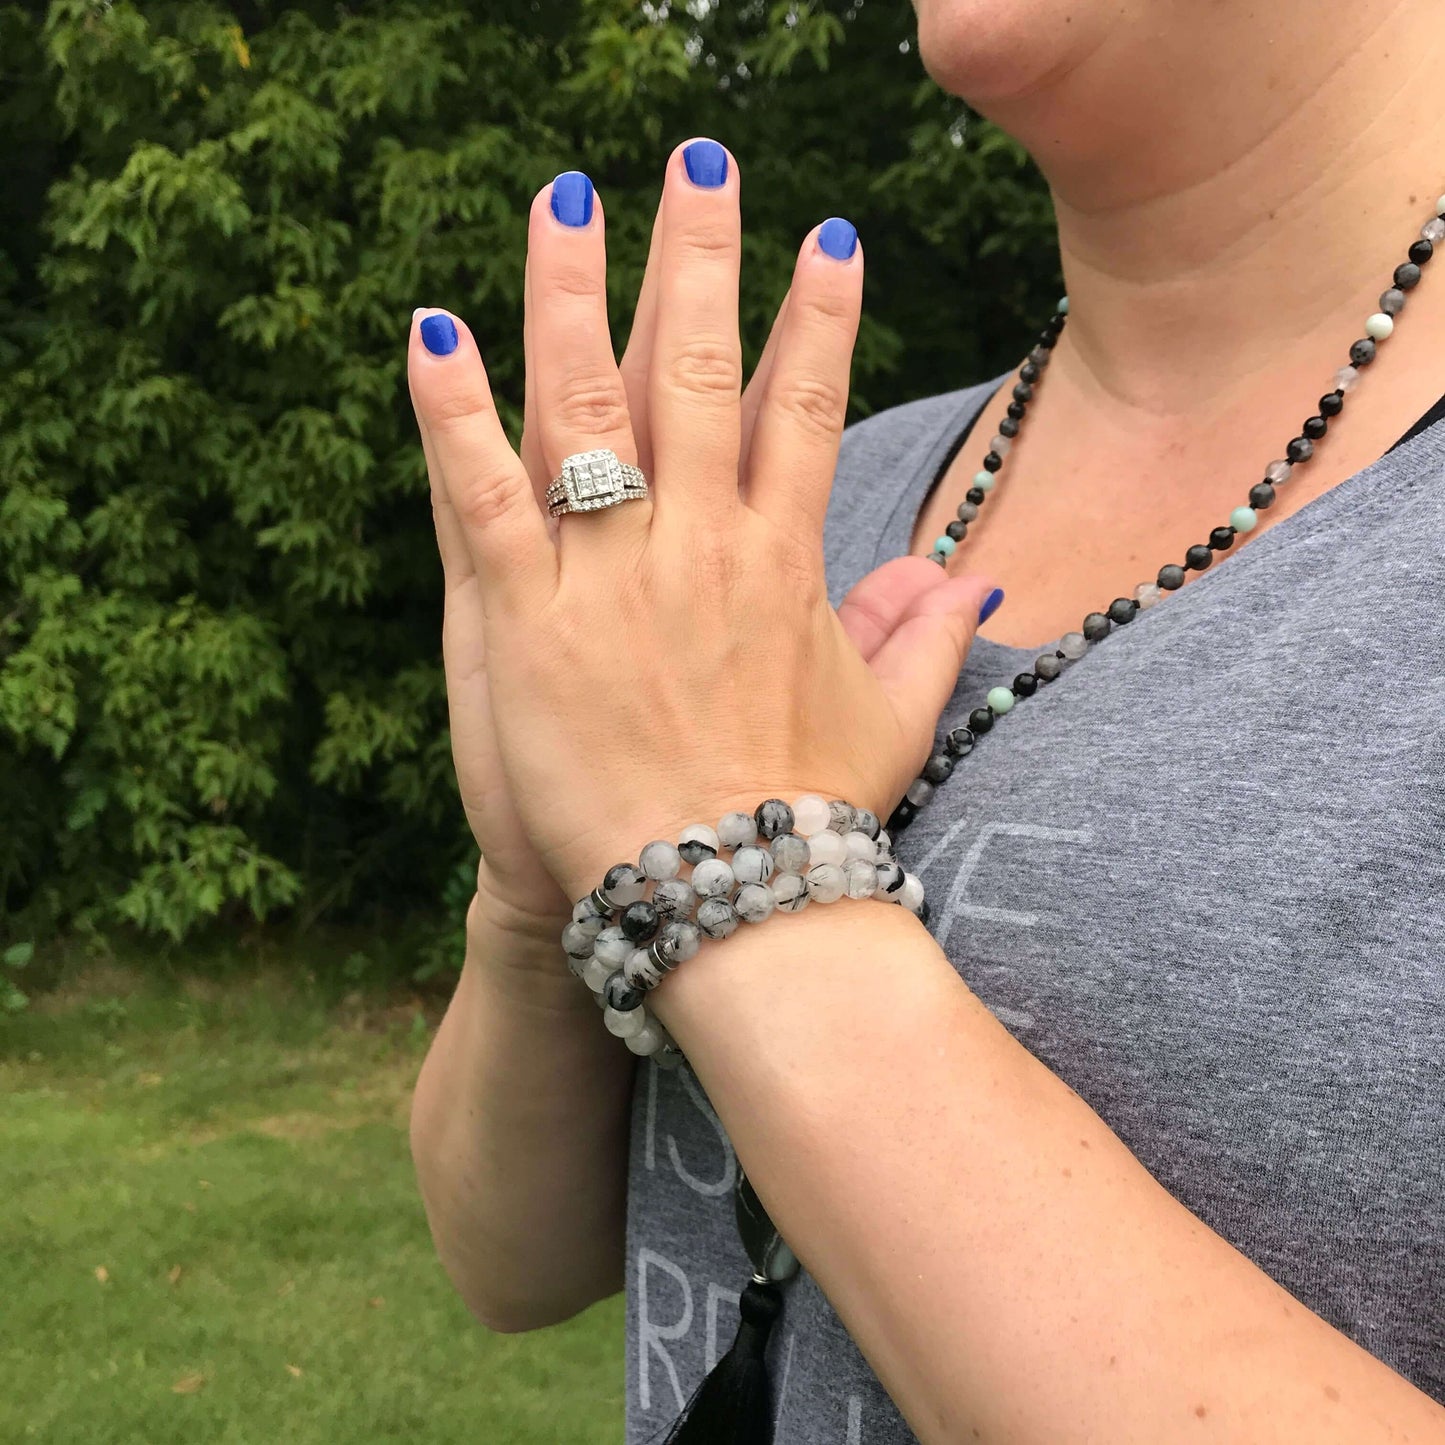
520	1317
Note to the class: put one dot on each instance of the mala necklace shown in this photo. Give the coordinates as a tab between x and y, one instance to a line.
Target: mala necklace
960	741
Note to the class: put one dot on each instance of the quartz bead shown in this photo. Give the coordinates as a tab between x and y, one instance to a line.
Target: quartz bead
1244	519
639	921
866	822
589	915
660	859
642	970
577	941
1440	206
811	814
860	845
1392	302
646	1041
595	973
860	878
1171	577
1147	595
911	894
1433	231
678	940
1000	699
752	865
827	847
840	816
712	878
1073	645
620	994
754	902
959	742
1278	472
827	883
1048	665
890	877
938	769
623	883
737	830
611	946
920	790
773	817
790	893
698	842
1379	326
790	853
717	917
1000	445
674	898
1096	627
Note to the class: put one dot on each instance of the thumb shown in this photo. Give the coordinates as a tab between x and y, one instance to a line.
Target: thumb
918	665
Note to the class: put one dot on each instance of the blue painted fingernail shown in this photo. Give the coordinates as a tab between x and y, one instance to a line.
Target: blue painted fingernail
707	164
439	334
837	238
990	605
572	199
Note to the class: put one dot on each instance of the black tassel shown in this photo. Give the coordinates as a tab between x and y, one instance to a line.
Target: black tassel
734	1404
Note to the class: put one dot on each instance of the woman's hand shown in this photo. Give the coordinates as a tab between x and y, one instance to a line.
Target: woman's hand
665	660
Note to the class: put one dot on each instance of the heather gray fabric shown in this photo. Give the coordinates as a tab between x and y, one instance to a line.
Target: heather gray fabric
1199	877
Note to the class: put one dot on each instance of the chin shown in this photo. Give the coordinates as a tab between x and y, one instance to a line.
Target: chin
998	50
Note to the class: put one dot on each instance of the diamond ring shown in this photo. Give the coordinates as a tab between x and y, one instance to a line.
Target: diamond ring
592	480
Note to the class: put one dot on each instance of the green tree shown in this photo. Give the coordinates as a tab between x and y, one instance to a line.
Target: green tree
220	687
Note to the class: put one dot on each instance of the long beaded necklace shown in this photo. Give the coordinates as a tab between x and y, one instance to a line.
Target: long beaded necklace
959	742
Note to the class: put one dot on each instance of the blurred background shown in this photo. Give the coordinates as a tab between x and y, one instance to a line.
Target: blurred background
232	868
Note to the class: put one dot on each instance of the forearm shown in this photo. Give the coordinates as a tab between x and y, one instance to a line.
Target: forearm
519	1135
1009	1269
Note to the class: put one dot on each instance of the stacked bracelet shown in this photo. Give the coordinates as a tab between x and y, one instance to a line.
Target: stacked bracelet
622	942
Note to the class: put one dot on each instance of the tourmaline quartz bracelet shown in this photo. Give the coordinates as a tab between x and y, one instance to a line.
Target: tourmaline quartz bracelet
646	918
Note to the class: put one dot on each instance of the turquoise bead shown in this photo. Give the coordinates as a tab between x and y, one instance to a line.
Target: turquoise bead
1063	307
1244	519
983	481
1000	699
946	545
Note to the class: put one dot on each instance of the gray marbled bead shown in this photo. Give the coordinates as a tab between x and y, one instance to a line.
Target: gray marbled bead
790	852
920	790
754	902
623	884
620	994
717	917
669	1056
1048	665
678	940
827	847
773	817
827	883
860	878
884	841
911	894
612	945
642	970
712	878
588	915
1392	302
841	816
890	877
737	830
577	941
625	1025
753	864
647	1041
594	973
860	845
660	859
697	843
867	822
790	893
674	898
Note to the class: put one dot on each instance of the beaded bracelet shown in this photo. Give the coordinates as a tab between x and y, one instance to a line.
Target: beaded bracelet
622	943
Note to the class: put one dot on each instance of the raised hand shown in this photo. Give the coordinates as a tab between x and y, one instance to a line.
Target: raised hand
666	660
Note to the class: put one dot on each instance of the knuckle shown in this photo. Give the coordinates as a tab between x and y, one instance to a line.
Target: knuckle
458	406
487	496
706	243
706	367
572	282
816	403
592	407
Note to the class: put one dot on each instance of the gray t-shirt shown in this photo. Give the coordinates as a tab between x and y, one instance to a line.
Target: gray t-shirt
1200	877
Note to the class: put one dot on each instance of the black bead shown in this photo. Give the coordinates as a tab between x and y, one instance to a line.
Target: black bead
992	462
902	816
959	742
980	720
1198	557
1407	276
1016	410
1315	427
619	994
1221	539
938	768
1047	338
1122	610
639	921
1301	449
975	495
1362	353
1097	627
1261	495
957	530
1171	577
1025	685
1023	392
1421	251
1008	427
1028	372
1332	403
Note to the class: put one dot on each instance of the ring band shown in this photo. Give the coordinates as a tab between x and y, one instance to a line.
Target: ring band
593	480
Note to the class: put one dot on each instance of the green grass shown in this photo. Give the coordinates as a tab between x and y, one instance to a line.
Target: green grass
209	1232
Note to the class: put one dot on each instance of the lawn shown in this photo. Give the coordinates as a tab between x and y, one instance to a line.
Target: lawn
210	1233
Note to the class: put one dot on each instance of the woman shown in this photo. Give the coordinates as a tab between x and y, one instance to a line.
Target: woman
1140	1137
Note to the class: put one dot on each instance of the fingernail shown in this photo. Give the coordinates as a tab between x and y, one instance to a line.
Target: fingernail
572	199
439	334
990	605
707	164
837	238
